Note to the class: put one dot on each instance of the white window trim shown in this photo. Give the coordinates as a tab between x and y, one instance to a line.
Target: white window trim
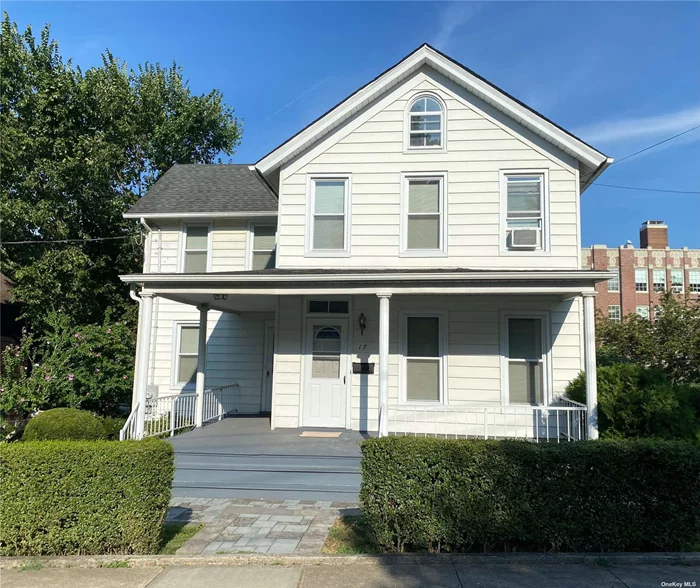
682	285
175	360
250	240
619	310
407	125
442	250
646	272
547	376
616	270
692	283
183	243
441	315
309	251
503	215
654	273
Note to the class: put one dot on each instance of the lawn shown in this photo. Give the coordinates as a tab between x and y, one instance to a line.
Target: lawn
349	534
175	535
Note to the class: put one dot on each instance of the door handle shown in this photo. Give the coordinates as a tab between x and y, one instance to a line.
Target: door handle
344	379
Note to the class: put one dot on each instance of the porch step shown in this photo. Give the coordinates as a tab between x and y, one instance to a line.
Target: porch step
269	476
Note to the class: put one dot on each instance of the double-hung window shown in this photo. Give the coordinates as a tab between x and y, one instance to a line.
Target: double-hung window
659	280
641	280
426	124
196	249
614	282
329	214
262	245
423	225
525	214
677	281
614	313
643	311
694	281
186	357
423	358
526	358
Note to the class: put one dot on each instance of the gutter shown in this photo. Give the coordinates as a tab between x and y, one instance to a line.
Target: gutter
176	215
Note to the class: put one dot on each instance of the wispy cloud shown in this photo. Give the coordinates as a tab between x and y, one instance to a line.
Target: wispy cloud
299	97
453	16
657	125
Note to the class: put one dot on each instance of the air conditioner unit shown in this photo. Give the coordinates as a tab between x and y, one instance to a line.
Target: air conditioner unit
526	238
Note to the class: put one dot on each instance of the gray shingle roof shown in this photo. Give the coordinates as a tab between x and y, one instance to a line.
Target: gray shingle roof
216	188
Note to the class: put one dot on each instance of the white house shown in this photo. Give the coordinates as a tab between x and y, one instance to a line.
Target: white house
407	263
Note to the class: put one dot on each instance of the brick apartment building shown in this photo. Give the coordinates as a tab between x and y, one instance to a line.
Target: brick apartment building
643	274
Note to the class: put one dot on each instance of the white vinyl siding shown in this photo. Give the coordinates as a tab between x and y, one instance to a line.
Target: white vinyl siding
614	313
185	366
196	249
641	280
328	222
614	282
262	244
659	280
480	144
677	281
423	222
524	202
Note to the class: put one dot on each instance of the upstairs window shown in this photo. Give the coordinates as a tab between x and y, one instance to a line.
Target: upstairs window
423	222
196	252
694	281
524	200
641	280
659	277
329	212
614	313
426	124
263	240
614	282
677	281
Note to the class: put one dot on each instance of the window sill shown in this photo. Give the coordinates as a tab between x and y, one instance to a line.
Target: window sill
422	253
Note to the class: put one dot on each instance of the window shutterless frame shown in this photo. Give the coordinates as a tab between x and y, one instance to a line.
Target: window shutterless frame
177	353
677	281
441	359
425	124
614	282
659	280
544	316
614	313
252	249
543	217
412	215
641	280
313	214
186	248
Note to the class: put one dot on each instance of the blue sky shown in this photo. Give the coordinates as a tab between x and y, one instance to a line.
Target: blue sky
619	75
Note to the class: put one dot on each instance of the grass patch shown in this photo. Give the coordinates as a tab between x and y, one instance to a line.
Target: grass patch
175	535
32	566
119	563
349	534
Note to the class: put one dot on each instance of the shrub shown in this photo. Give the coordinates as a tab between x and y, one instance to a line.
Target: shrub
112	426
64	424
634	401
458	495
83	497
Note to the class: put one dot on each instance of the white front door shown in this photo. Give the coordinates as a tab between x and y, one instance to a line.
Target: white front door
325	373
268	363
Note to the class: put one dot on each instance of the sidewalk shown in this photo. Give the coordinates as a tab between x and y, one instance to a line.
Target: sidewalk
496	575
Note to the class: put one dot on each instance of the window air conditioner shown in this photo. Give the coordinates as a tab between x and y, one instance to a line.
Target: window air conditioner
525	238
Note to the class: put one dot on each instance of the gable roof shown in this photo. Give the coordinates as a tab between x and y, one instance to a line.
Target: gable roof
592	162
207	190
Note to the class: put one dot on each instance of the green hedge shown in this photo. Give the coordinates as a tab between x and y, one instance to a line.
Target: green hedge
64	424
457	495
83	497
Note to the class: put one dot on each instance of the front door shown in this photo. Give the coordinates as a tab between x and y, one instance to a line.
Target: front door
325	373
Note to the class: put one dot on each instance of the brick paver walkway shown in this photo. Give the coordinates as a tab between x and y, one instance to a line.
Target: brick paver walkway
261	526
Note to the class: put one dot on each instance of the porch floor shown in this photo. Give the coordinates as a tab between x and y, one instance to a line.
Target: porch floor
241	457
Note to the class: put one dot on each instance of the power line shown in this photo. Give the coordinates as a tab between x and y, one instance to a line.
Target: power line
655	145
646	189
64	240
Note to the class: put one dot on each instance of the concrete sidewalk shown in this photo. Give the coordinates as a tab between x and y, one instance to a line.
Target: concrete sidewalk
362	576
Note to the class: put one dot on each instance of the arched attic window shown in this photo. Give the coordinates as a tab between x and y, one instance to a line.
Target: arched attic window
426	123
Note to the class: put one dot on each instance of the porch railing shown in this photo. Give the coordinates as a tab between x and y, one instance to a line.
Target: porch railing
560	422
166	414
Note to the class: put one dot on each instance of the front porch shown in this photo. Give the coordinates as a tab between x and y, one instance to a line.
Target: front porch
465	354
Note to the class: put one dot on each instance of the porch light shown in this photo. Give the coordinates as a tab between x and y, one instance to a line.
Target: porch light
362	322
220	296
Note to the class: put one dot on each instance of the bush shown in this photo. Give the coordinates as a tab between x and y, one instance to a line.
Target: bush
64	424
83	497
634	401
112	426
458	495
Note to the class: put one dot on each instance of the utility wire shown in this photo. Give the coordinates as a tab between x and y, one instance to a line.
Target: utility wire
64	240
654	145
646	189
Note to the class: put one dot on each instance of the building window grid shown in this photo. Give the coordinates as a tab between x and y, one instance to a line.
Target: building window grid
643	311
614	313
614	282
694	281
641	280
677	281
659	280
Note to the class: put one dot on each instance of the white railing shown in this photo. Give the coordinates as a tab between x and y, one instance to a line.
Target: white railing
563	421
169	413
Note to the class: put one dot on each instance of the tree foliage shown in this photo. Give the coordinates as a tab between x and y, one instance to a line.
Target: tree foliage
671	343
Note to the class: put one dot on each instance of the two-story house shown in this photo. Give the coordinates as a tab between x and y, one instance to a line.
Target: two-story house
407	263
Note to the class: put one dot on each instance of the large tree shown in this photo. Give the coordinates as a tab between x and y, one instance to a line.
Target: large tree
76	150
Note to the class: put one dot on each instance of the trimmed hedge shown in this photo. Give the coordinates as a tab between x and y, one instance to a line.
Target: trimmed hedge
458	495
64	424
83	497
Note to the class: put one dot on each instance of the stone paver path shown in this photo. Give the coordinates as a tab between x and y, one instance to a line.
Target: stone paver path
296	527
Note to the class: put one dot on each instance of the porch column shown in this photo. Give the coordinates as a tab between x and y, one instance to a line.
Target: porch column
383	364
201	363
141	367
590	364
